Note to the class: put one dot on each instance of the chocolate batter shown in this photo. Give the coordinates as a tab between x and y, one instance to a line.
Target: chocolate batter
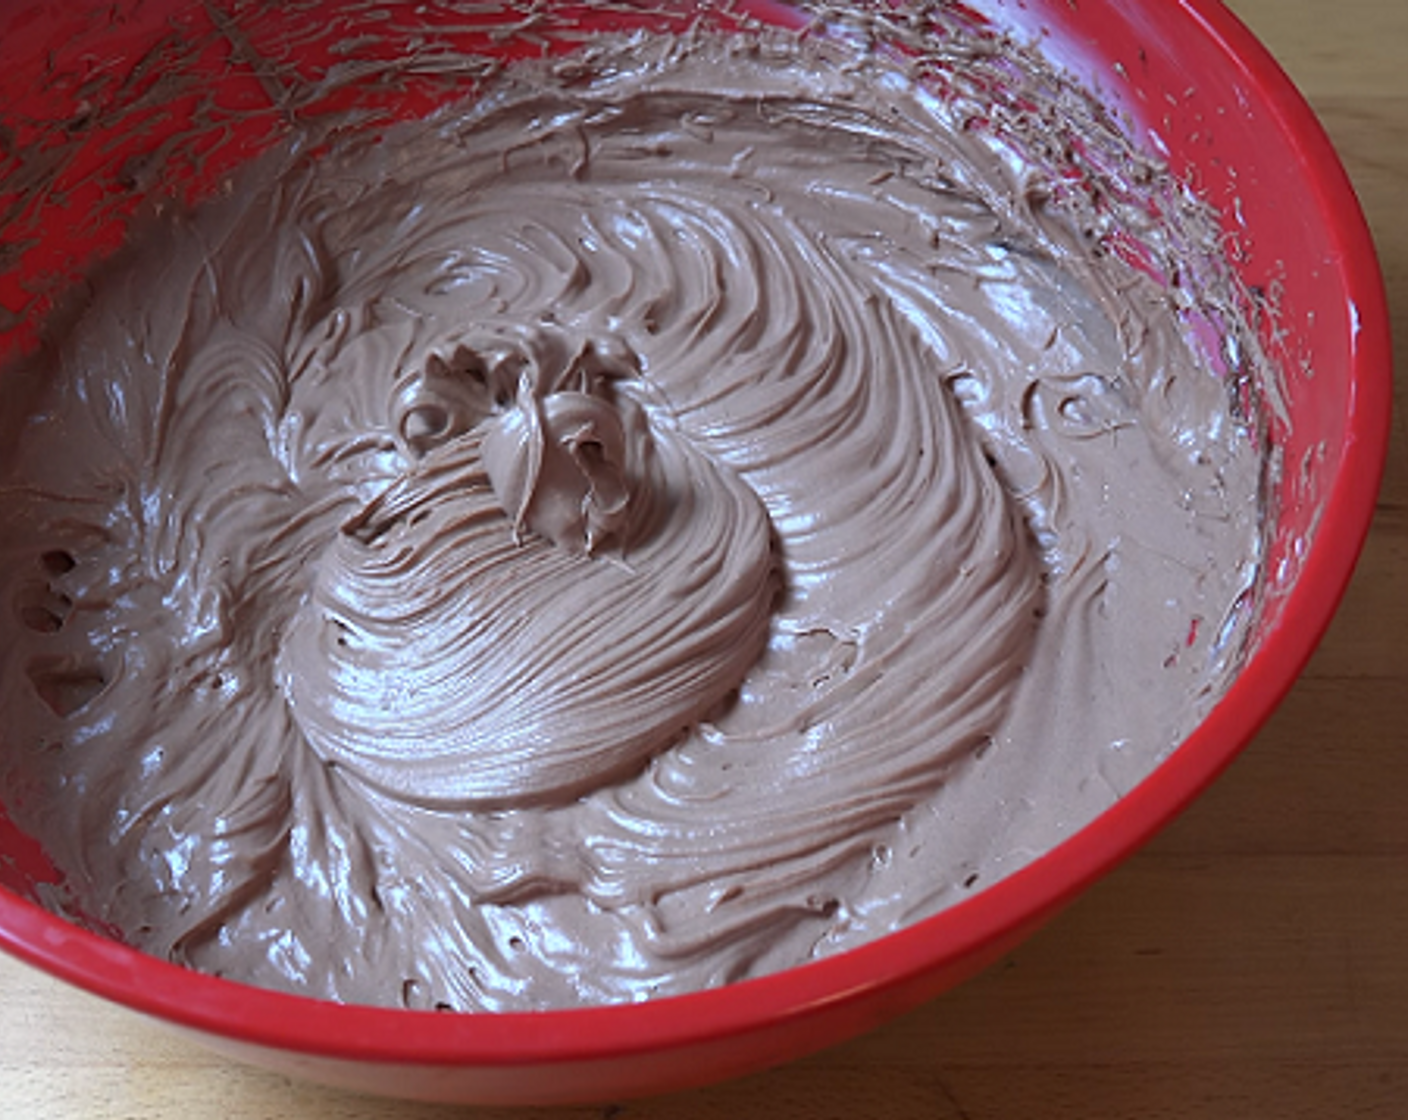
695	509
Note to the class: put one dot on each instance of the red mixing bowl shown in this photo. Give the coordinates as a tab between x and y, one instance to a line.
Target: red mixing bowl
1196	87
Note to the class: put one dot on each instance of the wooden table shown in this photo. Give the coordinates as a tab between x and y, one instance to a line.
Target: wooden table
1251	963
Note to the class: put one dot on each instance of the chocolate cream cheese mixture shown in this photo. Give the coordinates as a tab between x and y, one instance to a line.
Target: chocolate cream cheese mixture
703	505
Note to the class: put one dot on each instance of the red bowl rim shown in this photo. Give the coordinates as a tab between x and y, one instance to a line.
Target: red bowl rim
424	1038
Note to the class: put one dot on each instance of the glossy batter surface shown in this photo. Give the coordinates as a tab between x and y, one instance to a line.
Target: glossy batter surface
696	509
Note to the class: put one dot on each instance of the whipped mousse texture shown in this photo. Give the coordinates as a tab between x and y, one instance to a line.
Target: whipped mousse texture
701	505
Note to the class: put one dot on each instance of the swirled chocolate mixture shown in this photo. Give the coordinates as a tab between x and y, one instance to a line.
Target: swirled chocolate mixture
694	510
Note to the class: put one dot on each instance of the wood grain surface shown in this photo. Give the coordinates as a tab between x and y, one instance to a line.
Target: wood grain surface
1251	963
